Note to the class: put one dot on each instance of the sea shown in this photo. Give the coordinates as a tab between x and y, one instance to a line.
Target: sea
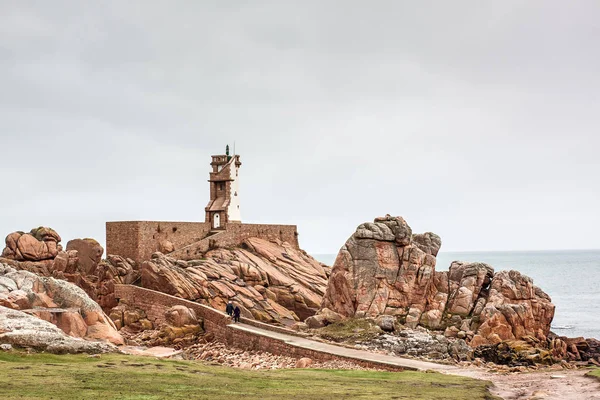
570	277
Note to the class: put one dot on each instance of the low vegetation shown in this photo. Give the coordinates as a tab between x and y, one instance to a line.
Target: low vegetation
350	330
594	373
45	376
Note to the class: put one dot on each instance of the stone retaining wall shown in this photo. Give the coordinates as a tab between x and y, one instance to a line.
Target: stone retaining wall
218	323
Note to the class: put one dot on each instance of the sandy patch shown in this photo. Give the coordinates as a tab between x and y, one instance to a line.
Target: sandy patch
547	385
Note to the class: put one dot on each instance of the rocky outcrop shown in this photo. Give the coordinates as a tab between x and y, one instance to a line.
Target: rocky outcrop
181	326
96	277
530	351
40	244
89	253
56	301
269	281
420	342
24	330
383	269
132	318
429	242
514	308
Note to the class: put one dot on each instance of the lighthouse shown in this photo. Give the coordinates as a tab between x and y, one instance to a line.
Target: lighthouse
224	204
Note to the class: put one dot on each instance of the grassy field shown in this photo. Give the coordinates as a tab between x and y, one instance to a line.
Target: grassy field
45	376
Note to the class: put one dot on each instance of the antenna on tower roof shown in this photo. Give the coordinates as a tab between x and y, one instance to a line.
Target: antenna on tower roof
234	148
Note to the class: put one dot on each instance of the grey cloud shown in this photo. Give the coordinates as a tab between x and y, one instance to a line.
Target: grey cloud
475	120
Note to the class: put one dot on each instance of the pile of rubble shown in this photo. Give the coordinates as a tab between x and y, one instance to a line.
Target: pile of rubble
221	354
419	343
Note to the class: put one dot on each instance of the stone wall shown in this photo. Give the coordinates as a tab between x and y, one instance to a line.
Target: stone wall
139	239
122	238
156	303
239	232
218	323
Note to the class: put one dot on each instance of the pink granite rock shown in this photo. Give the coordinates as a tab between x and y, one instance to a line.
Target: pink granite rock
40	244
383	269
270	281
56	301
89	253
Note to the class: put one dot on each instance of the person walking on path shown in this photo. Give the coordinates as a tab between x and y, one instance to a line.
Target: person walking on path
236	314
229	308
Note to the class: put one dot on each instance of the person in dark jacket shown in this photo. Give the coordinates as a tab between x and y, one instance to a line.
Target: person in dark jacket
229	308
236	314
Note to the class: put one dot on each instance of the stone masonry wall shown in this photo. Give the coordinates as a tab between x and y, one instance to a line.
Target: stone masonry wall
240	232
180	234
139	239
156	303
218	323
122	238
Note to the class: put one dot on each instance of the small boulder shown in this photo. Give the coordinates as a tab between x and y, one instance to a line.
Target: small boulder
386	322
166	247
304	362
179	316
451	331
299	326
315	322
329	316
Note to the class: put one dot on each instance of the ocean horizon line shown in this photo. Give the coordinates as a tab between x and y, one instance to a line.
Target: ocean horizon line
497	251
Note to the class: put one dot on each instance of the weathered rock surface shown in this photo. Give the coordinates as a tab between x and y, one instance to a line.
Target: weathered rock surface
323	318
57	301
421	343
23	330
40	244
269	281
181	327
132	318
383	269
89	253
96	278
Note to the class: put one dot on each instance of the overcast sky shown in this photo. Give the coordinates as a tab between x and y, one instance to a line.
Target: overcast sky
475	120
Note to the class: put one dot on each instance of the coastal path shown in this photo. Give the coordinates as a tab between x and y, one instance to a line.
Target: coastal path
345	352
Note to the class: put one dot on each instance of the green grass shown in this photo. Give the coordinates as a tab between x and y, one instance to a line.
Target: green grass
594	373
45	376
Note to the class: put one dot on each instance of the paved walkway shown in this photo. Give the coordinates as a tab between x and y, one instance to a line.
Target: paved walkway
297	341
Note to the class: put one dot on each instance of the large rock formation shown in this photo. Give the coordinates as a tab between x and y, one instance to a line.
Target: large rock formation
40	244
24	330
270	281
89	253
56	301
383	269
40	252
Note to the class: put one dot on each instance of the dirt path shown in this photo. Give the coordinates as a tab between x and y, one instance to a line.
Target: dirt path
559	385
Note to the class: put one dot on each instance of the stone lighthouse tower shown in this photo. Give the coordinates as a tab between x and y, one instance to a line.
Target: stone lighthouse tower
224	204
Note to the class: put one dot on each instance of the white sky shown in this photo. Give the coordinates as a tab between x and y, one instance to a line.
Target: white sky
475	120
